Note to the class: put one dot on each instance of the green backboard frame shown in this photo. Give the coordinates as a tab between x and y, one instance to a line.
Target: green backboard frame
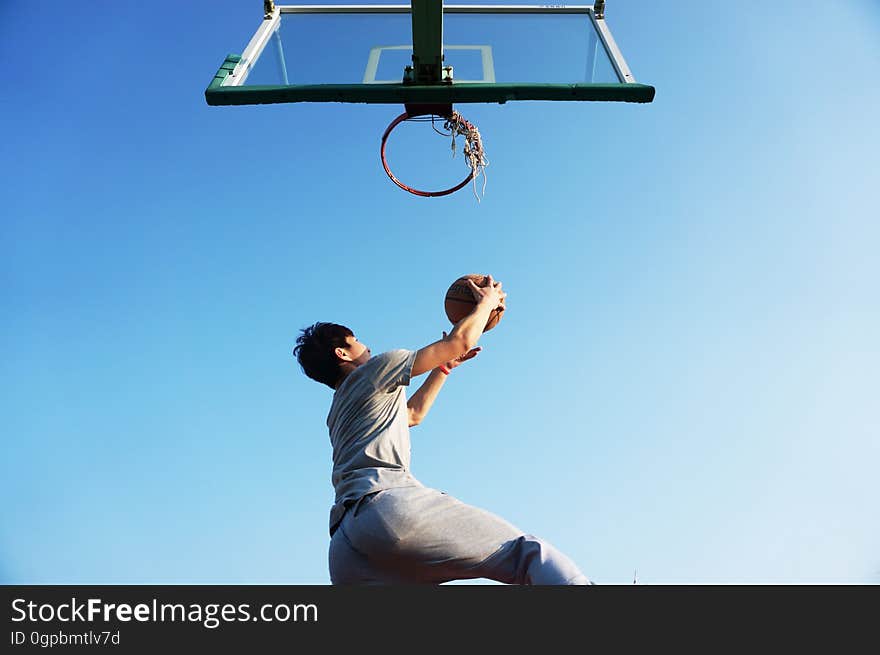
426	80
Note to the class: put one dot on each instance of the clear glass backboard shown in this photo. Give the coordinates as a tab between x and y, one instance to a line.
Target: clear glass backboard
488	53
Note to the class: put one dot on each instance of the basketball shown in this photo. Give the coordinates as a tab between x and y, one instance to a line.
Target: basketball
460	300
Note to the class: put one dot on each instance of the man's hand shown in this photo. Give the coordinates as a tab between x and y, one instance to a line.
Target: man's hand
461	359
490	294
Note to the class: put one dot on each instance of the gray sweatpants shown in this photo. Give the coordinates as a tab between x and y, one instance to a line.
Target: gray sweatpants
413	535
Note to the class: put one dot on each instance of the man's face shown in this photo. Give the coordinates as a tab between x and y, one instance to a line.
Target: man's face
355	352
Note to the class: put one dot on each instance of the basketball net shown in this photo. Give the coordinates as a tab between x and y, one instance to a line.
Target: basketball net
475	156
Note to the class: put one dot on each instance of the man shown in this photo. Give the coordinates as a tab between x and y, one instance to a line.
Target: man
386	527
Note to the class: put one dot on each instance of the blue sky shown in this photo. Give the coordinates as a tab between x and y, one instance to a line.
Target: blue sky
685	381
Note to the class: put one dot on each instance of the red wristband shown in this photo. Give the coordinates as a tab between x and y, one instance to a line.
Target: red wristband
444	369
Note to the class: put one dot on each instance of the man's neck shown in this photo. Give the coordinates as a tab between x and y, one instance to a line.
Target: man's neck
347	369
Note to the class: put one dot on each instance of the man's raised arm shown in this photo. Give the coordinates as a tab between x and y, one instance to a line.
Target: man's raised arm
465	334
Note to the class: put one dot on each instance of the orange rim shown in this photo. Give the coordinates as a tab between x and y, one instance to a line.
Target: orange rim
426	194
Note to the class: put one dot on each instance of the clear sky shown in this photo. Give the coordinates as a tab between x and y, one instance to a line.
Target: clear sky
685	383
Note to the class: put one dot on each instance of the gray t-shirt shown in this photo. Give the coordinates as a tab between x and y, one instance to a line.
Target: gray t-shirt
369	430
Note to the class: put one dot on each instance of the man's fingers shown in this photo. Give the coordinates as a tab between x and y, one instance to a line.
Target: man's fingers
470	354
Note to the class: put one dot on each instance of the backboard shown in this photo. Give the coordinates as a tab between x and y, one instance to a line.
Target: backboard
428	52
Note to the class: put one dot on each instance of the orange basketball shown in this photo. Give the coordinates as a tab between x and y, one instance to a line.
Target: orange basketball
460	300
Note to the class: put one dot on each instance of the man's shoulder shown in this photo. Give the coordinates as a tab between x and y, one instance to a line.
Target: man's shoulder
377	372
395	354
393	358
391	367
376	364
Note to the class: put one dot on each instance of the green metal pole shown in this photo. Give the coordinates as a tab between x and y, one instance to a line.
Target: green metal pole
427	33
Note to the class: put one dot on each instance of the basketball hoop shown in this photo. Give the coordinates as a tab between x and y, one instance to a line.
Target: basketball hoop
475	158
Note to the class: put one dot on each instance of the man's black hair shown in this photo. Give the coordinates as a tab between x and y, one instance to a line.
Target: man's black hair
315	351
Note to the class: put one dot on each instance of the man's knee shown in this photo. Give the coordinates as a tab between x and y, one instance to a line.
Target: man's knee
544	564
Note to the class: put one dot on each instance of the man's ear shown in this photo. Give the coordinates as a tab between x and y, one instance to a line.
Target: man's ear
342	354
